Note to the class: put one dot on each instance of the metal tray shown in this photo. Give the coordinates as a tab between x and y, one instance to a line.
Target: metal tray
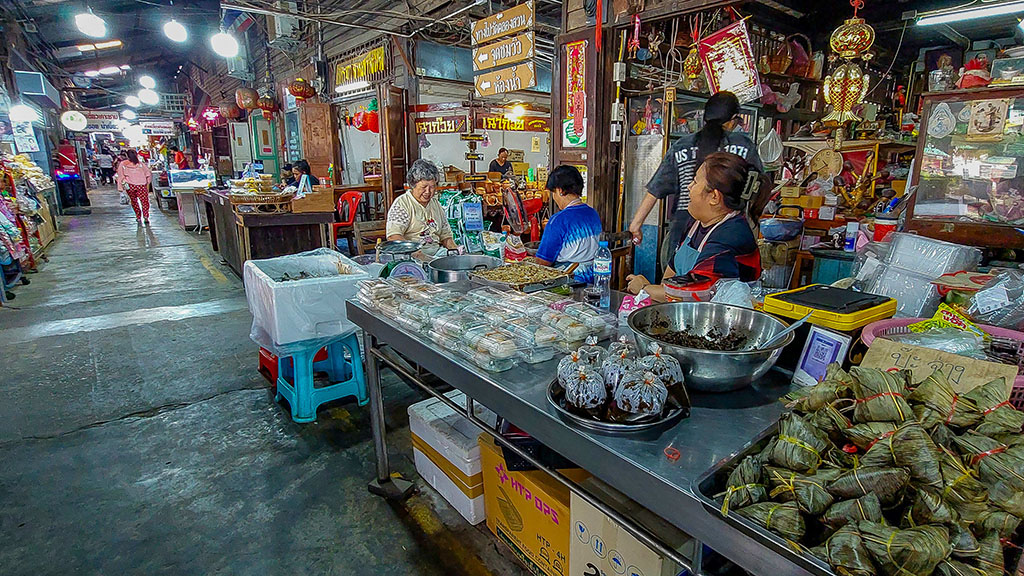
561	280
399	247
713	482
649	430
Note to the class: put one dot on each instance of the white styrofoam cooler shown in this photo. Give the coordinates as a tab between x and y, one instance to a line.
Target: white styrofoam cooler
452	438
296	310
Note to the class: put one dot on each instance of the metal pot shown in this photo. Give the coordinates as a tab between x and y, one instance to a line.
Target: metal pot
712	370
458	267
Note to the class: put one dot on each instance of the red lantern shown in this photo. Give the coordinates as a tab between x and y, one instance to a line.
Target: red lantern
230	110
372	118
301	90
267	104
247	98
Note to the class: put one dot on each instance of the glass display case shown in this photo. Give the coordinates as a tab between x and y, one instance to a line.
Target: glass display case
194	178
968	168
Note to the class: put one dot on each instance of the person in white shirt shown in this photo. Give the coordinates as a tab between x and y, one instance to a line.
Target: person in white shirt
106	163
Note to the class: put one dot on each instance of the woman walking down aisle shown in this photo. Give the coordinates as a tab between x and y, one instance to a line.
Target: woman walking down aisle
134	178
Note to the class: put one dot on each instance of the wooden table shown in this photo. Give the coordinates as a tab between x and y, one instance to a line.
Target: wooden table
223	231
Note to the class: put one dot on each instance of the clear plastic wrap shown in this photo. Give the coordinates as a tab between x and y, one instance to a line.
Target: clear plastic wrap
664	366
376	289
488	296
426	292
567	365
455	324
553	301
615	366
596	322
931	257
497	342
410	324
455	301
592	354
497	316
422	312
388	307
584	389
536	355
640	394
445	341
526	305
530	332
1001	302
952	340
486	361
916	296
568	328
623	345
568	346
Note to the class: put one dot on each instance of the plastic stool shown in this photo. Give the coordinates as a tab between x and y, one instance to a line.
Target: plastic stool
346	376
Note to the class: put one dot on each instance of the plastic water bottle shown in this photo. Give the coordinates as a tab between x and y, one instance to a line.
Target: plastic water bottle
603	274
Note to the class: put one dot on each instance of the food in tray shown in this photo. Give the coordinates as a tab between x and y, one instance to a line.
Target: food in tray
536	355
494	341
531	333
455	324
638	394
734	340
585	391
592	354
568	328
518	273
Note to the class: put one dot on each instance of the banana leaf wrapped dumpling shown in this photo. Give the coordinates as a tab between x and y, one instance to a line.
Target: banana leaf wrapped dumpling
836	385
998	416
909	447
961	488
914	551
799	446
957	568
845	553
745	485
880	396
783	519
990	558
865	435
807	491
886	483
866	507
936	403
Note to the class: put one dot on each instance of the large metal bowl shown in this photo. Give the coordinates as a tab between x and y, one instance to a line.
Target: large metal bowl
457	267
711	370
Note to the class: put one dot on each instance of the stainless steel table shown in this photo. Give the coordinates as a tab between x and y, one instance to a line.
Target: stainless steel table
718	427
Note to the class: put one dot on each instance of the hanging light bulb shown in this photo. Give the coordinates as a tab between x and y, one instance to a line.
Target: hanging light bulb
22	113
129	114
90	24
224	44
133	101
175	31
109	70
149	97
147	82
92	73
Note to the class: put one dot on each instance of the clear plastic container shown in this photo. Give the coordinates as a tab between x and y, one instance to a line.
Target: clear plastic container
494	315
388	307
422	312
410	324
455	324
403	283
376	289
486	361
532	333
590	317
527	305
497	342
931	257
426	292
488	296
568	346
445	341
455	301
373	304
553	301
915	295
537	355
568	328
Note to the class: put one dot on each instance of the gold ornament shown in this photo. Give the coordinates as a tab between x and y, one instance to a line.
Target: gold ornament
852	39
845	87
692	66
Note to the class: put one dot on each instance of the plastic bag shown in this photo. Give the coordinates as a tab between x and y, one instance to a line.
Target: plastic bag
734	292
770	149
950	340
1001	302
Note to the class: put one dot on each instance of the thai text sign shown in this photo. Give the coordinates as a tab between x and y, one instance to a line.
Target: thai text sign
506	80
370	67
523	124
510	51
729	62
511	21
441	125
574	126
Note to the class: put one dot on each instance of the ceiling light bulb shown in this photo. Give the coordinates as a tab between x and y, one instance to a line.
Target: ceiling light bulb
22	113
109	70
175	31
91	24
224	44
518	110
92	73
149	97
129	114
133	101
147	82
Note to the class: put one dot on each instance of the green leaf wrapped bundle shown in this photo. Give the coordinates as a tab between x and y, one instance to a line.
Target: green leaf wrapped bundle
799	445
852	511
909	447
865	435
807	491
943	405
845	553
914	551
830	421
929	508
809	399
942	436
957	568
880	396
998	416
992	460
997	522
1007	498
745	485
783	519
965	545
961	489
886	483
990	556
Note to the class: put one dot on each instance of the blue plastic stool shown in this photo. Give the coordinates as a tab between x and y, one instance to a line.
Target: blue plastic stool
346	377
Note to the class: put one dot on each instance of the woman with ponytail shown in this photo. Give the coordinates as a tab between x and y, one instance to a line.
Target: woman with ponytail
677	170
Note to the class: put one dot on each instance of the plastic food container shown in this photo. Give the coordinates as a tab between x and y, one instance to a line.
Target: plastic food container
930	257
530	333
914	293
554	301
488	296
388	307
494	341
486	361
422	312
455	324
568	346
376	289
526	305
567	327
589	316
445	341
411	324
494	315
690	288
537	355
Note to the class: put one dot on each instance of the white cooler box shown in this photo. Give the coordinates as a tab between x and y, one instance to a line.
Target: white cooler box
447	454
308	307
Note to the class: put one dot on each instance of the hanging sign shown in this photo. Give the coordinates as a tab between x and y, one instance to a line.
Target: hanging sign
157	127
475	178
729	62
510	51
511	21
471	137
506	80
90	120
441	125
523	124
24	137
372	66
474	156
574	126
74	120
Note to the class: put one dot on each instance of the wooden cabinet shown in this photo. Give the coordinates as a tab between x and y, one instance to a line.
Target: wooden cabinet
319	138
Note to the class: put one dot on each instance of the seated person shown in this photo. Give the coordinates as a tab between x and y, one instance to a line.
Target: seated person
287	177
572	234
416	215
714	238
301	168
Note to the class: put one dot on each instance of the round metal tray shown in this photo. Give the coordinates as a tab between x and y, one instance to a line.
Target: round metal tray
650	429
399	247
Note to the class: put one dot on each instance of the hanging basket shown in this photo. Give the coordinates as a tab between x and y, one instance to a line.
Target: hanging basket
800	54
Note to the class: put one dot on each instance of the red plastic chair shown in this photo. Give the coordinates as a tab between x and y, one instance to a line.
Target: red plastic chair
348	201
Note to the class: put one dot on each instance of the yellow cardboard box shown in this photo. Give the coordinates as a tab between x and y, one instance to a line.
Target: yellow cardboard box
528	511
791	191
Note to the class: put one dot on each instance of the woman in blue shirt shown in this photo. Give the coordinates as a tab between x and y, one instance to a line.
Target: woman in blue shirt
572	234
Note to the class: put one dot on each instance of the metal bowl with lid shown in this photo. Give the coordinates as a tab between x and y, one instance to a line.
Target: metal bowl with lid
711	370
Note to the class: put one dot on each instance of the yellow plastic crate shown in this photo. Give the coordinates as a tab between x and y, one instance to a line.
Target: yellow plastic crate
833	318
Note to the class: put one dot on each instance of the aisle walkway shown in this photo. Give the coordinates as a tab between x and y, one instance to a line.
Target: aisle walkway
136	436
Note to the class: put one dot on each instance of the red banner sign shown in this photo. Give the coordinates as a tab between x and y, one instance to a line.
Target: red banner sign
574	127
523	124
441	125
729	62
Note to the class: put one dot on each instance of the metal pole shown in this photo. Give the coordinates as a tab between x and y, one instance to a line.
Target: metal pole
383	485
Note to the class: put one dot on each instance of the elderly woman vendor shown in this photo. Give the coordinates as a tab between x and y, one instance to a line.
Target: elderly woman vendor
416	214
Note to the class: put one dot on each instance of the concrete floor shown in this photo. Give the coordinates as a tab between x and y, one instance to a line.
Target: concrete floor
136	436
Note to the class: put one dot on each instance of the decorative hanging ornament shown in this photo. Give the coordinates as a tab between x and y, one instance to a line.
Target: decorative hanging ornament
268	105
301	89
230	110
845	88
247	98
852	39
692	67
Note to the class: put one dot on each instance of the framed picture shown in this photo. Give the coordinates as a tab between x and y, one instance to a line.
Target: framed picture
822	348
1008	71
940	58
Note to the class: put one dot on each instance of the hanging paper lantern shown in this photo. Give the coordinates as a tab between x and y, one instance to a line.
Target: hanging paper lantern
373	121
246	98
359	121
268	105
852	38
692	67
301	90
230	110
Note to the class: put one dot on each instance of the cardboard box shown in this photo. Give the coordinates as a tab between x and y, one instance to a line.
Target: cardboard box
599	542
791	191
320	199
804	201
965	374
528	511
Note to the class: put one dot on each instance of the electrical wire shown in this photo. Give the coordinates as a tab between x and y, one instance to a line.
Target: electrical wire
893	63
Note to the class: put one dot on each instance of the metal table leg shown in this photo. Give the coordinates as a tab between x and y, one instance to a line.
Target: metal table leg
383	485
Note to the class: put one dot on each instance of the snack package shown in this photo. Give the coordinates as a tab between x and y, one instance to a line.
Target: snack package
589	316
568	328
486	361
553	300
488	296
947	317
614	367
592	354
584	389
494	341
536	355
376	289
530	333
496	315
622	346
640	394
455	324
421	311
631	303
388	307
567	366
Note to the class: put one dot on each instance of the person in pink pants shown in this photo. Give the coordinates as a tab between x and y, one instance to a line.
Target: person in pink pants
134	177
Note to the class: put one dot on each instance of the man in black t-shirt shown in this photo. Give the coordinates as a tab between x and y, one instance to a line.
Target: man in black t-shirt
501	164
